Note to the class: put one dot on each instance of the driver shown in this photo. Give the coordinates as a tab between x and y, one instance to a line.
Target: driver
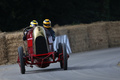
47	25
33	23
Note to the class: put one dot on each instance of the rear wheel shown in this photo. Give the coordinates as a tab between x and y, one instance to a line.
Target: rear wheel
63	62
64	57
22	64
60	51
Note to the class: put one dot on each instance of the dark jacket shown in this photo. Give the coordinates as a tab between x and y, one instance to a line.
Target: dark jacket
52	33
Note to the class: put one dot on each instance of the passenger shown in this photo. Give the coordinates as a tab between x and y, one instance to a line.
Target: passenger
47	25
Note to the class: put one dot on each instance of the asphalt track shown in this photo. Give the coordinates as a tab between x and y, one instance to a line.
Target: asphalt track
91	65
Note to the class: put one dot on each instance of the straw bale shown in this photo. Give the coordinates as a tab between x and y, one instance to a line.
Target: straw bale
10	41
2	39
78	38
13	41
12	52
3	54
13	48
62	31
97	36
14	35
3	61
14	44
113	31
12	59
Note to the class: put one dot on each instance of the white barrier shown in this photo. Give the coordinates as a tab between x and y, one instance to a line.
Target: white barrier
62	39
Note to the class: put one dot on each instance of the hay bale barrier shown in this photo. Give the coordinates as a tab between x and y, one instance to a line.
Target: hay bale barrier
3	54
78	38
13	41
97	36
82	37
113	32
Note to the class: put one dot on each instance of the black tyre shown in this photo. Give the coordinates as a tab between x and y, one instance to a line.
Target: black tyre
63	62
22	64
64	57
60	48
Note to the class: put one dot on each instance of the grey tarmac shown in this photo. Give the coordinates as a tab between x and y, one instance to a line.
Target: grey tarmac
101	64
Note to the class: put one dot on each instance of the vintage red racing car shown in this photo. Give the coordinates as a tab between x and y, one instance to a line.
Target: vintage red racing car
38	50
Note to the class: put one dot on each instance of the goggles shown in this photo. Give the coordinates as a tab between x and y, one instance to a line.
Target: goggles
33	25
47	24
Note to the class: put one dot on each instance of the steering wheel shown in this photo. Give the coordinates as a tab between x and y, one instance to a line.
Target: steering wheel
26	29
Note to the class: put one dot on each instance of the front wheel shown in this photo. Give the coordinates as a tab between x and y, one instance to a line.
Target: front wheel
21	64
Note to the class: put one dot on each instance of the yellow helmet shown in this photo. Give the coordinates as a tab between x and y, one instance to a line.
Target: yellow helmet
33	23
47	23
